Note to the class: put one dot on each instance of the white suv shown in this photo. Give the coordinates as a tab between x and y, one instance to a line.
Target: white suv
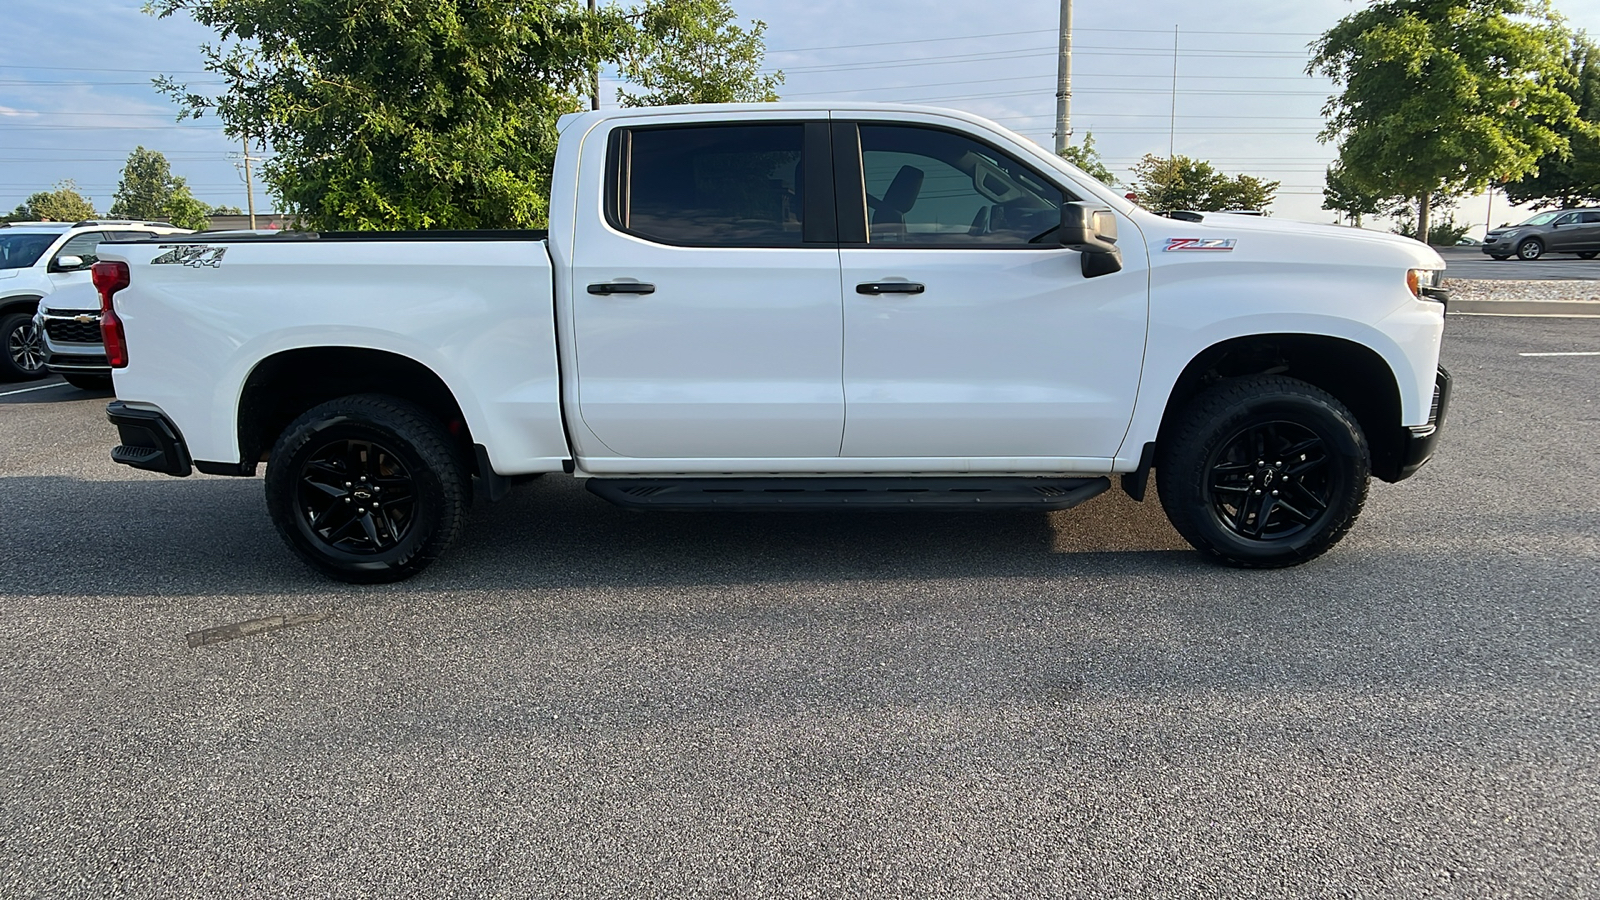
36	260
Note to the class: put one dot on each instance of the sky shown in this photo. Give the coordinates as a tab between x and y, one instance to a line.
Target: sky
76	98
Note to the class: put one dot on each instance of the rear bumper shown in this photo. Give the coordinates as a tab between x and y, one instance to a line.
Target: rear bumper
1418	441
149	440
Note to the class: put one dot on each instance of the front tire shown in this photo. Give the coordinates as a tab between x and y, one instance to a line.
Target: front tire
1499	257
1530	250
21	348
1263	472
366	489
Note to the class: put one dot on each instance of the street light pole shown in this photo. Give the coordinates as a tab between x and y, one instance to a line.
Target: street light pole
1064	82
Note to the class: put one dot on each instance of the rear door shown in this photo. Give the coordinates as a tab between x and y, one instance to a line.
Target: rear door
706	307
970	333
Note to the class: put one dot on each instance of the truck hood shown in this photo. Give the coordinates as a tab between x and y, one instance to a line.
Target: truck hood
1301	238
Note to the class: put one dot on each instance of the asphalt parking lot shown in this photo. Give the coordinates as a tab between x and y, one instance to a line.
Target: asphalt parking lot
1471	263
586	702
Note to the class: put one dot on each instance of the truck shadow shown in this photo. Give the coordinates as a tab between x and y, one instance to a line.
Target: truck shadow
206	535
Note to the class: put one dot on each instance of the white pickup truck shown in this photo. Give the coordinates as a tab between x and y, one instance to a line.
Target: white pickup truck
788	306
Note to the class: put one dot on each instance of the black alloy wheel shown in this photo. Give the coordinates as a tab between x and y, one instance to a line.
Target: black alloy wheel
367	488
1263	471
357	496
1270	481
24	348
1530	250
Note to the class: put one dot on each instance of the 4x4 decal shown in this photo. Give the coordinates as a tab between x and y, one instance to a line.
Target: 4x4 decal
192	256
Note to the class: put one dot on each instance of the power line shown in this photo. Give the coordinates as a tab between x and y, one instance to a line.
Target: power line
976	37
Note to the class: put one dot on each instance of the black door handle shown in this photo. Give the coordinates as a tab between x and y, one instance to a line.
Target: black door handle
622	287
889	287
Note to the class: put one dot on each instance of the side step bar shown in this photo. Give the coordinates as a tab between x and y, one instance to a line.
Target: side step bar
861	493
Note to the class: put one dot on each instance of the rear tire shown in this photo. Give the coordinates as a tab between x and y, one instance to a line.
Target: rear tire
1263	472
21	348
88	382
367	489
1589	254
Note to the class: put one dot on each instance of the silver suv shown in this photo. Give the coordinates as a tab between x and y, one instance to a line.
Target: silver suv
36	260
1557	231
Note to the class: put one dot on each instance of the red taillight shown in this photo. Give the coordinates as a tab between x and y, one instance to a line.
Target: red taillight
110	277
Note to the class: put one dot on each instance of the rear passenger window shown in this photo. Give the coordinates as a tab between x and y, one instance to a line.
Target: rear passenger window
711	185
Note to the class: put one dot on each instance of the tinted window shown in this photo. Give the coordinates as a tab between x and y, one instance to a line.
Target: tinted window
83	245
21	250
933	188
1568	219
716	185
1591	218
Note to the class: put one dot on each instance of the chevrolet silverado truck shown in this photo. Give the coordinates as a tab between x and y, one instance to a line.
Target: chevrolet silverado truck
791	307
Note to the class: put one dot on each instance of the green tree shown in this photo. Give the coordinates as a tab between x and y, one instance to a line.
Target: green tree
149	190
388	114
1183	183
64	204
1343	193
1442	232
1445	94
1572	179
691	51
1087	158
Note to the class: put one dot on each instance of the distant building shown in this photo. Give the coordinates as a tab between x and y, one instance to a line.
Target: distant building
268	221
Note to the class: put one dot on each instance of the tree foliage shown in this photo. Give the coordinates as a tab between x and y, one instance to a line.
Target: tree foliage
1087	158
388	114
692	51
1573	179
1443	231
1183	183
149	190
1343	193
1445	94
64	204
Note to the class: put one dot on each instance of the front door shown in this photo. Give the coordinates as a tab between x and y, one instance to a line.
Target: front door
707	313
84	246
970	334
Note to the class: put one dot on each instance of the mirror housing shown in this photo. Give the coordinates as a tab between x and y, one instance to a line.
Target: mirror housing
67	264
1091	229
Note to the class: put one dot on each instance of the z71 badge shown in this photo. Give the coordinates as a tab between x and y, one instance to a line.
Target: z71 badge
1216	245
192	256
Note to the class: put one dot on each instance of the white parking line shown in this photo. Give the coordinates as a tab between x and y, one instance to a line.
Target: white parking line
42	387
1578	353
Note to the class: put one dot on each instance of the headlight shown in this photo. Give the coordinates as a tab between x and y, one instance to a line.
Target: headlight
1427	284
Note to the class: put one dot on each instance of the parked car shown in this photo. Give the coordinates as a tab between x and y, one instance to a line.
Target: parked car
788	306
38	259
1556	231
68	323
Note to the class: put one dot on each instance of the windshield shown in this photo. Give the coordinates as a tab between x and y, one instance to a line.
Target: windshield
1543	218
19	251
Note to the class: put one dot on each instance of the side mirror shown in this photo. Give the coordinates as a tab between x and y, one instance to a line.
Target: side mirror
1092	231
67	264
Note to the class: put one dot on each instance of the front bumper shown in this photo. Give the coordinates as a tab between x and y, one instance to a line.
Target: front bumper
72	342
149	440
1418	441
1498	246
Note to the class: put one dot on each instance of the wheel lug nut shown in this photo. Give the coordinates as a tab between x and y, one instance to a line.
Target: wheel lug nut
347	499
348	484
1274	493
1258	493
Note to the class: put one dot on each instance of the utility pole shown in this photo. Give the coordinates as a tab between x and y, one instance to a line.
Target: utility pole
1064	82
249	183
594	71
1172	124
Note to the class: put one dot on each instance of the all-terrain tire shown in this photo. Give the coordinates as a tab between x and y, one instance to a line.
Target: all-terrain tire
326	482
1262	472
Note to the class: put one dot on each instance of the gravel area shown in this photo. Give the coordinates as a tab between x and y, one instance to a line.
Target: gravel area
1575	291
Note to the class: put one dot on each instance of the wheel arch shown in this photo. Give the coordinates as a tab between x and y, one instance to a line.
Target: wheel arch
282	386
20	303
1357	375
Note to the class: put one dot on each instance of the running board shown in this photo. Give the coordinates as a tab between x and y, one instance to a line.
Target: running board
862	493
